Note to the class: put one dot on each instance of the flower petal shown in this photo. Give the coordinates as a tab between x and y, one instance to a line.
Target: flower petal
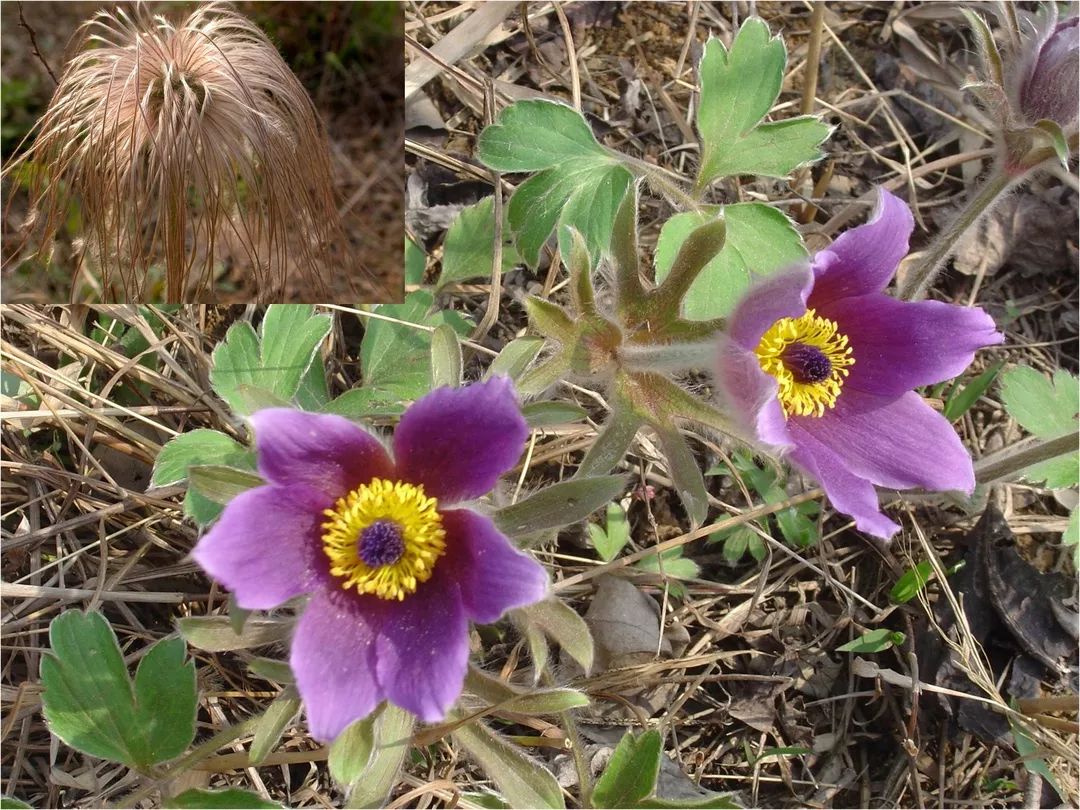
458	441
265	546
322	450
848	493
781	295
493	575
864	259
898	442
423	648
750	394
333	659
900	345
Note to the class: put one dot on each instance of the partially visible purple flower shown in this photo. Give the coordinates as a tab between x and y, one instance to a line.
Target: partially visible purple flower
1045	83
821	364
395	574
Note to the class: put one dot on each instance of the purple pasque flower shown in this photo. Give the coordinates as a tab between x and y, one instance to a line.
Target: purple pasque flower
1046	81
395	566
821	364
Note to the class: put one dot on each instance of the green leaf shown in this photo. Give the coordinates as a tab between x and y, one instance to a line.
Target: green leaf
11	803
166	698
351	751
760	241
523	781
563	626
685	473
544	414
961	403
874	641
198	448
719	801
415	261
580	183
610	540
91	704
1045	407
275	360
218	799
1071	535
469	249
631	773
738	88
222	484
445	357
393	731
1052	130
547	701
515	357
215	633
533	135
395	358
911	582
382	400
670	563
483	798
275	720
559	505
1027	749
270	670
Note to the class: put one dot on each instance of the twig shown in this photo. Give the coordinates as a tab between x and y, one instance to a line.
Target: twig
33	42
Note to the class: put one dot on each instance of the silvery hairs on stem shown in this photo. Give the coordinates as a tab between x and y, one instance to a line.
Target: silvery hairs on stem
179	139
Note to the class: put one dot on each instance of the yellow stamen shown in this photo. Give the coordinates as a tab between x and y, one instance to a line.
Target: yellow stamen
801	394
411	511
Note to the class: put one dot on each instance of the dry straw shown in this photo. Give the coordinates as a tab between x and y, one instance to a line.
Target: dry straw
176	139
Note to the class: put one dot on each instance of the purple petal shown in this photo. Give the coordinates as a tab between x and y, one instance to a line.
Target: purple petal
265	547
901	443
781	295
333	658
423	648
322	450
493	575
900	345
750	394
847	492
862	260
458	441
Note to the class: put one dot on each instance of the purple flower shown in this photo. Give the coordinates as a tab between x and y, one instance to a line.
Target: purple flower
394	573
1046	84
821	363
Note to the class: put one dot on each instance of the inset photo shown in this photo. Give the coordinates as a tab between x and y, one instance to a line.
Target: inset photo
202	152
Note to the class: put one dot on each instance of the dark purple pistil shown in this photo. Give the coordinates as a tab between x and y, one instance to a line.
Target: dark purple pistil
807	364
381	544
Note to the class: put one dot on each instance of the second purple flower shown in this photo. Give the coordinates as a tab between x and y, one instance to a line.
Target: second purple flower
821	364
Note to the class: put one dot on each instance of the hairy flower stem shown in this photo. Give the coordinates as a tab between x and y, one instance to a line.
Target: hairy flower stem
1010	461
918	281
670	357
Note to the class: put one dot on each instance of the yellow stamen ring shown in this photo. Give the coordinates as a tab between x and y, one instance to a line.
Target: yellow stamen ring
400	516
809	359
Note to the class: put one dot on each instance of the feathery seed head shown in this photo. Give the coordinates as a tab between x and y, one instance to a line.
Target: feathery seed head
176	137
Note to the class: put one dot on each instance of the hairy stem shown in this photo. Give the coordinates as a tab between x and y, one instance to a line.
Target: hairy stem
922	276
670	357
1010	460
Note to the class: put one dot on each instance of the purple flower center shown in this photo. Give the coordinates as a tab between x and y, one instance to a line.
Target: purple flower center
807	364
381	544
